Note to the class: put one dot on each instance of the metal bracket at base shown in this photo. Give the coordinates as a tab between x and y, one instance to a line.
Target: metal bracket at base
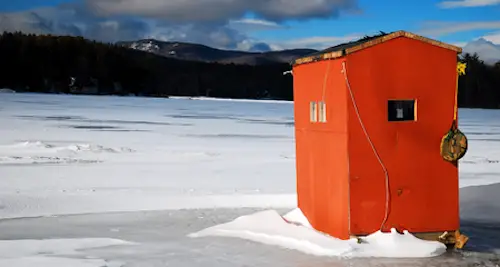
455	238
460	239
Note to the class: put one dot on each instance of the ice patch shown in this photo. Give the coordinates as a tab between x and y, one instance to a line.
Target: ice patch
96	148
20	160
6	91
40	145
270	228
39	152
54	252
31	144
70	201
480	160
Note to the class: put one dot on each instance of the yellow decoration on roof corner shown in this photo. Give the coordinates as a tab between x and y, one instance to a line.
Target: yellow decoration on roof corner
461	68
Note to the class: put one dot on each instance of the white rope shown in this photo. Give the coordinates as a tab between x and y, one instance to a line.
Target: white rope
325	79
387	189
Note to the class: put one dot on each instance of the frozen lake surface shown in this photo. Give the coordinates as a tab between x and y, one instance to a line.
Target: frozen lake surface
159	239
109	171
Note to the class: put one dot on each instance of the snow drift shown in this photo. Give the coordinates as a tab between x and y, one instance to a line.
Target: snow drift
270	228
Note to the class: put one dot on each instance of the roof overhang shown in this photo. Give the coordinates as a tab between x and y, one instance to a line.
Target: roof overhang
379	40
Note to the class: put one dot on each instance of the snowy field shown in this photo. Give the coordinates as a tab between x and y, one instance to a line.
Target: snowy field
121	181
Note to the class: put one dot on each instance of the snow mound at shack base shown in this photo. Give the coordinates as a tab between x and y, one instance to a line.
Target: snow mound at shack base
293	231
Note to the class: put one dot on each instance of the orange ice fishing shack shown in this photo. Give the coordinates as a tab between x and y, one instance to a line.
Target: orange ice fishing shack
377	142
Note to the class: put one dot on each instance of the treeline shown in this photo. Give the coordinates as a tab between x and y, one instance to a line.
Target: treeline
62	64
480	86
55	64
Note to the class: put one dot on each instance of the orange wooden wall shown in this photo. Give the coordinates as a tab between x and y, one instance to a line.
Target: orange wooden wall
321	148
340	183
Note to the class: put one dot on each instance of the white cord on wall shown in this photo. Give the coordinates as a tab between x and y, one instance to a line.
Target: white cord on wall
325	79
387	188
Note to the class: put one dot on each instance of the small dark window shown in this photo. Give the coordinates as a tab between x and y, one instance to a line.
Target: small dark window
401	110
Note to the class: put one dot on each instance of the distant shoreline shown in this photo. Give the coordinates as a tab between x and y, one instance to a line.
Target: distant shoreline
231	99
165	97
200	98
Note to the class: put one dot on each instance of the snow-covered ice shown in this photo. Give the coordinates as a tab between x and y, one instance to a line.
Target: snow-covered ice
78	158
102	154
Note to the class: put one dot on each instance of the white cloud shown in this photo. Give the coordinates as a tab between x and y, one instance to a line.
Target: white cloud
40	21
190	11
71	21
436	28
214	35
468	3
316	42
487	46
250	25
216	23
459	44
485	49
67	21
493	37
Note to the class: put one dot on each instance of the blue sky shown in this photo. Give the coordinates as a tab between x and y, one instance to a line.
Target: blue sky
244	23
422	16
19	5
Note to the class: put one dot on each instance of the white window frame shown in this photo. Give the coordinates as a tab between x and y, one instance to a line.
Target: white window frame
322	111
313	111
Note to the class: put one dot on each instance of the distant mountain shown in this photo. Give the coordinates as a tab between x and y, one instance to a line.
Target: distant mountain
486	50
198	52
